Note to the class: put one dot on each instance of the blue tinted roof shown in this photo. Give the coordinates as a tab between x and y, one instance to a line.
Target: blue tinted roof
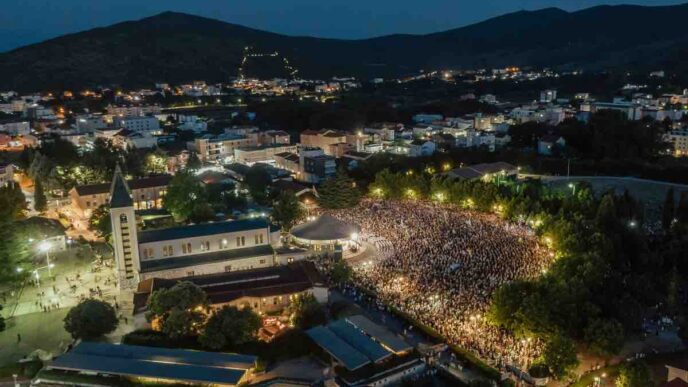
197	230
161	363
338	348
384	336
354	337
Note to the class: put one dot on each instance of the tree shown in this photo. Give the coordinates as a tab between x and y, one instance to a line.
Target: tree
184	195
340	272
230	327
156	162
90	319
634	374
193	163
178	311
40	202
339	192
668	209
2	321
257	181
12	203
605	337
99	222
560	355
286	210
306	312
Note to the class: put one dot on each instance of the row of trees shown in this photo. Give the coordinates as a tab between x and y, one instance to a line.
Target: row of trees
183	311
606	275
608	134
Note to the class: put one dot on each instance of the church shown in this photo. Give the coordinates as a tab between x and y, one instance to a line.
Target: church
186	251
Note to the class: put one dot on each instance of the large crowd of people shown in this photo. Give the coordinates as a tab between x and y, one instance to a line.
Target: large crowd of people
441	265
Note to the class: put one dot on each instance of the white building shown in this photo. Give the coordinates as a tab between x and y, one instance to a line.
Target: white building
184	251
548	96
138	124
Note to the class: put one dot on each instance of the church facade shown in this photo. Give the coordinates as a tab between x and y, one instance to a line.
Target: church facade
185	251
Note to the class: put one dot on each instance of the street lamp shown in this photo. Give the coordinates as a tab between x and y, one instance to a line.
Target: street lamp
573	187
45	247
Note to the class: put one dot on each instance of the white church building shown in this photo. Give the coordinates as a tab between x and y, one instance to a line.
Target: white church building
185	251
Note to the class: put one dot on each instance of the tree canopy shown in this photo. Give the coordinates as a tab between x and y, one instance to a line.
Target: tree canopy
186	197
178	311
339	192
286	210
230	327
306	312
90	319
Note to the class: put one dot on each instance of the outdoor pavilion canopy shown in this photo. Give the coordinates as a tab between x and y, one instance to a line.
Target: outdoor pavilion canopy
325	228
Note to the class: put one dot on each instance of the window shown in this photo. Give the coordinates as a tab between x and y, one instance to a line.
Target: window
190	273
262	261
241	241
258	238
205	246
290	259
123	218
186	248
228	268
88	204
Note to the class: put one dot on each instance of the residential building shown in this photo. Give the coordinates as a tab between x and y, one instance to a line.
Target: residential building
147	193
427	118
548	145
133	110
327	139
220	148
420	147
6	174
548	96
679	138
137	123
310	165
261	154
128	139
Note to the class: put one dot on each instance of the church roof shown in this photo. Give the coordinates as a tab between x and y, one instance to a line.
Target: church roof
120	196
197	230
179	262
325	228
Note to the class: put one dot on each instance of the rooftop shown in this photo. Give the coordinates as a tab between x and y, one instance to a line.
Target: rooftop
200	259
325	228
225	287
203	229
152	362
146	182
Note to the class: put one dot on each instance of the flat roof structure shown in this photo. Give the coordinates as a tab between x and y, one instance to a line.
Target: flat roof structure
354	346
338	348
226	369
357	339
388	339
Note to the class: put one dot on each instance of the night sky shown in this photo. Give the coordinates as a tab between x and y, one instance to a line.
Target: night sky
29	21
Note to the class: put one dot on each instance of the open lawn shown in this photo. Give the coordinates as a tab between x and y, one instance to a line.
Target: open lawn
43	331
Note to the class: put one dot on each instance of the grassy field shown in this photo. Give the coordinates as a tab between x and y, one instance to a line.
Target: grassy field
43	331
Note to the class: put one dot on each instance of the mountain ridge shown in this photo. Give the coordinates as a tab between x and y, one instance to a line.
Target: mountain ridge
179	47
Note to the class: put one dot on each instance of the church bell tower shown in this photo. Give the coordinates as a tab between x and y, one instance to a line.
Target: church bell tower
124	236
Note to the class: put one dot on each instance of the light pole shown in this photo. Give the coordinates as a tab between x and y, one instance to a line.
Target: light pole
45	247
573	187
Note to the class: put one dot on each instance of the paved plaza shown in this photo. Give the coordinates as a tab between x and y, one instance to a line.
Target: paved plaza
35	310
